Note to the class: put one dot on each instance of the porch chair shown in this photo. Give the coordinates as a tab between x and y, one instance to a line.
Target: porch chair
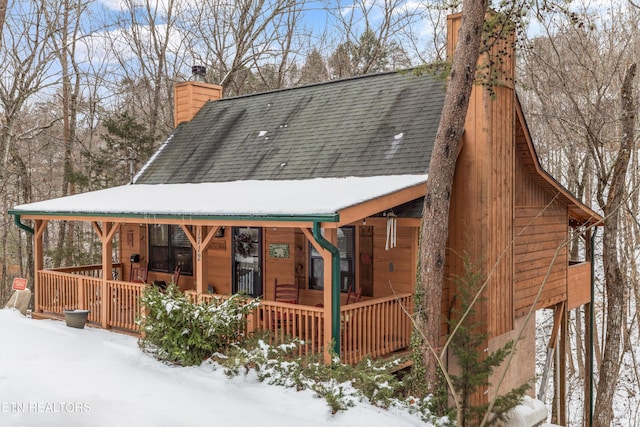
286	292
138	274
176	276
352	296
347	326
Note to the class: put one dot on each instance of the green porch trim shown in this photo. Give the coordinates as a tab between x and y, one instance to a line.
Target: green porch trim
334	217
335	285
20	225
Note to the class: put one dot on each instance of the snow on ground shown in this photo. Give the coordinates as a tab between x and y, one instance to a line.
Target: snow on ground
53	375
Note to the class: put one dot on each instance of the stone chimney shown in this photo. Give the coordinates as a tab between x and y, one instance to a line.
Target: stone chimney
191	95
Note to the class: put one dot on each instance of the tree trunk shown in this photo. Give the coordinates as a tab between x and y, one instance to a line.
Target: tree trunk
435	217
3	14
614	282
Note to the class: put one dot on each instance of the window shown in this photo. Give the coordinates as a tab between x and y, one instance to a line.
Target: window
346	245
169	248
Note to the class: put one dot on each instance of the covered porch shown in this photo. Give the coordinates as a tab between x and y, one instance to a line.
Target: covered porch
375	328
360	240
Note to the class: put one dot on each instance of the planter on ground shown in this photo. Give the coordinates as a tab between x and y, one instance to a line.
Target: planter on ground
76	318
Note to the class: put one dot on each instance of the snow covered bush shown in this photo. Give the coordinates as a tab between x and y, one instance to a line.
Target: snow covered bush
342	386
175	330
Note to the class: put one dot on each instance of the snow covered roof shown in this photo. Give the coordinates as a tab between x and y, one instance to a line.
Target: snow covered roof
319	197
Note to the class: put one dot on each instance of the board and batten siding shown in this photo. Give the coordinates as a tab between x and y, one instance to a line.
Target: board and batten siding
481	214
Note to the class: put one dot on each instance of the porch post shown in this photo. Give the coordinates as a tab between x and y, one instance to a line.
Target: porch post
331	293
326	298
38	262
200	261
562	352
106	237
200	242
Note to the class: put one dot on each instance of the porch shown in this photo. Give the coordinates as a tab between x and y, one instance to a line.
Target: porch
376	327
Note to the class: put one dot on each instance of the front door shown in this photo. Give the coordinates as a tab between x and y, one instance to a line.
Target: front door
247	260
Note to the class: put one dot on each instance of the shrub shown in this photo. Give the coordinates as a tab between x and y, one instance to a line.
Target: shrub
476	363
340	385
175	330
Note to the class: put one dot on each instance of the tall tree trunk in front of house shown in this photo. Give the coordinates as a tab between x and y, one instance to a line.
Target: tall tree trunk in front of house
3	14
614	278
435	217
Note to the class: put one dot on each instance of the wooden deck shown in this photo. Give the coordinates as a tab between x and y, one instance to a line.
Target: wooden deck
115	307
375	328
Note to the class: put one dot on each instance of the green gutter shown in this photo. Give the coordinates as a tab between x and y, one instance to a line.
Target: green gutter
593	274
335	285
185	217
16	220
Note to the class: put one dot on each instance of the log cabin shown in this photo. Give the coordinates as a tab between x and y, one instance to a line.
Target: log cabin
321	187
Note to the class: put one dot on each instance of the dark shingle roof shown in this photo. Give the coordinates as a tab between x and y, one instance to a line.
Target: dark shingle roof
382	124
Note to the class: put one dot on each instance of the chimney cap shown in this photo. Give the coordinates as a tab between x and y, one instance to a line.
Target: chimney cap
198	72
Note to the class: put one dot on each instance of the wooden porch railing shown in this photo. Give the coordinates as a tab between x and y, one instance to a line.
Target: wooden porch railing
92	270
374	328
58	291
283	320
292	320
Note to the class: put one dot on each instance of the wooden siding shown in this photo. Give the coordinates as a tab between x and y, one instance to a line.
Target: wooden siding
387	271
190	97
500	218
133	238
481	217
393	269
282	269
219	264
578	285
541	227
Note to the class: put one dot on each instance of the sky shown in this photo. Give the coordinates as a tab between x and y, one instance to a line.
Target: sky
53	375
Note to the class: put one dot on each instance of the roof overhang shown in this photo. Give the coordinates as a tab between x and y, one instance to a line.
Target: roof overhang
579	213
331	201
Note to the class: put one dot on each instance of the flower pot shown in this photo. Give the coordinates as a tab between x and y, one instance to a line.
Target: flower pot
76	318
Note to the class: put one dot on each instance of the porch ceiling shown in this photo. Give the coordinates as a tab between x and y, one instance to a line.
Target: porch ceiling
319	200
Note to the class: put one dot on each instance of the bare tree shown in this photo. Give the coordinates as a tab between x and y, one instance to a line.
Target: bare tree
149	49
64	20
26	63
581	80
369	36
3	14
235	39
614	278
435	216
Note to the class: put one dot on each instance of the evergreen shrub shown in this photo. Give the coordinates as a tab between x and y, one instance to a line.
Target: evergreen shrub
176	330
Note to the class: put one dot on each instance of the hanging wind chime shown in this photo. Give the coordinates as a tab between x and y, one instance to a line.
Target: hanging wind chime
391	231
